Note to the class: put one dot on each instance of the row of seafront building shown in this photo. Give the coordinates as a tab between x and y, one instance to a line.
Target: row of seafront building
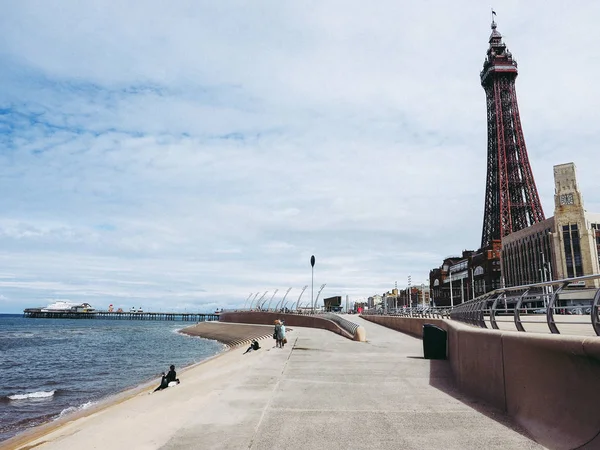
566	245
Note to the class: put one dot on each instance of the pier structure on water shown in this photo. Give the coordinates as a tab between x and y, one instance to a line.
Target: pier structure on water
37	313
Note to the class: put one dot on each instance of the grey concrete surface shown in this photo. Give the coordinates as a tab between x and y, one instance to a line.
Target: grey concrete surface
326	392
322	391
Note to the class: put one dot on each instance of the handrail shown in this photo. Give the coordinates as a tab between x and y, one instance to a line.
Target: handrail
440	312
350	327
551	298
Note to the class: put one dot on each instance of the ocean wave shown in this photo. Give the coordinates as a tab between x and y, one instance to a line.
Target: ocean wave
17	335
72	409
40	394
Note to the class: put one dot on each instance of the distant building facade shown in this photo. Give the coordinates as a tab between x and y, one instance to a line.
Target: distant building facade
374	301
333	304
462	278
486	268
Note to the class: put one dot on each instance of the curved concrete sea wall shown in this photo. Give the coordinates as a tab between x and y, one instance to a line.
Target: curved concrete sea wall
298	320
550	384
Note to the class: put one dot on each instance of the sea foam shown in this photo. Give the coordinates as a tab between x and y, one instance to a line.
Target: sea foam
73	409
40	394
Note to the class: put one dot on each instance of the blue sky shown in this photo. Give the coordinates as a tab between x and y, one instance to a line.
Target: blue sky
182	156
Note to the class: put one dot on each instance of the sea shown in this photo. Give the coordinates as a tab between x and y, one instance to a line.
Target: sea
53	367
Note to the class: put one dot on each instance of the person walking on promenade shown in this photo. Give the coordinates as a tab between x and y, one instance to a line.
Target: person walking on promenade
282	334
277	333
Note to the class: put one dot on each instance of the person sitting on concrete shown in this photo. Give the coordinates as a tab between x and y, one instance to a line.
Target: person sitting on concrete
253	347
172	376
163	383
166	380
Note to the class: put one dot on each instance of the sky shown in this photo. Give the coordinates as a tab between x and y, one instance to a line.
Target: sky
179	156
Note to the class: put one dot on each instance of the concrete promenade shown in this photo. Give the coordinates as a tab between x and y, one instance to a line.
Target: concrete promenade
322	391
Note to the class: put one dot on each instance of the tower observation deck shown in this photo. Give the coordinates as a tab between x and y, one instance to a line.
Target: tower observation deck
511	198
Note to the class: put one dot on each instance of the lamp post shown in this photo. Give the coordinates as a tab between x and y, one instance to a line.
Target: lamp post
272	296
317	299
252	301
299	297
247	300
312	281
451	294
258	302
281	303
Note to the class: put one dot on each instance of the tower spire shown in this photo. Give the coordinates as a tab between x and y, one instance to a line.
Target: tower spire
511	198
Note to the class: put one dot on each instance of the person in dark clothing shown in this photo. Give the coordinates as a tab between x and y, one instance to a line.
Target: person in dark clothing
253	346
168	378
172	375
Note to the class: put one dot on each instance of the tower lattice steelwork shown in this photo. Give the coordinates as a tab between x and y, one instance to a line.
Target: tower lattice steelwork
511	198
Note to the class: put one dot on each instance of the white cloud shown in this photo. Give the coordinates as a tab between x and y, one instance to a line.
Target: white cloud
185	156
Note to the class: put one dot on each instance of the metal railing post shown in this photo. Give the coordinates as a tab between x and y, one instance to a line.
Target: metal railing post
550	312
518	323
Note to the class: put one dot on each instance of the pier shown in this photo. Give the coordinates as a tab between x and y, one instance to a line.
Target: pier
37	313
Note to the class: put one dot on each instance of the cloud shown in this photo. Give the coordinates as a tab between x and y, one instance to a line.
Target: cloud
184	156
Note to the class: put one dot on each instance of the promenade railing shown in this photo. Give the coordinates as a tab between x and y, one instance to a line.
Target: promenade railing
567	306
350	327
431	312
304	312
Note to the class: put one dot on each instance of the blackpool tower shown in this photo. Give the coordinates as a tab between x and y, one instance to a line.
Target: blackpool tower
511	198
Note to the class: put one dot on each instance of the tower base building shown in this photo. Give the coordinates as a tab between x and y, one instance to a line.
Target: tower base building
566	245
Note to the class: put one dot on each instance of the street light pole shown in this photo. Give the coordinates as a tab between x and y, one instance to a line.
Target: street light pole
451	294
258	302
247	300
278	307
272	296
299	297
318	293
312	281
252	301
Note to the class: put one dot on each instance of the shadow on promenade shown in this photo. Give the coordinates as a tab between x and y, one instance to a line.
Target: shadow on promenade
442	378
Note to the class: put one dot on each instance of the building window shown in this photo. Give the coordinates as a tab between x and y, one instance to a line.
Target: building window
572	251
568	253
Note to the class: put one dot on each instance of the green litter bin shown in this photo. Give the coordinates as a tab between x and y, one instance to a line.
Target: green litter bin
434	342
